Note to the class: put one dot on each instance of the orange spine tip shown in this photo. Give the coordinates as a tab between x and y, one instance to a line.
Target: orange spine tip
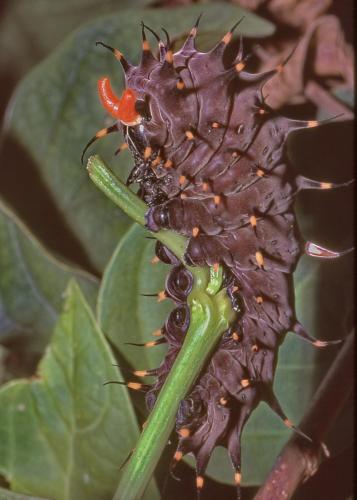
235	336
178	455
244	382
157	333
239	67
325	185
134	385
227	38
223	401
101	133
118	55
184	432
151	344
217	199
140	373
189	135
168	164
169	57
312	123
259	299
195	232
155	260
199	482
259	258
260	172
147	152
255	348
216	267
253	220
182	179
288	423
180	85
161	296
205	186
237	478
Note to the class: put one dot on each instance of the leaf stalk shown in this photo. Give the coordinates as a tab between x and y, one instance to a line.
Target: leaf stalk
210	315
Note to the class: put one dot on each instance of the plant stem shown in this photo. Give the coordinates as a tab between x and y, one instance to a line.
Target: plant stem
210	314
204	331
131	204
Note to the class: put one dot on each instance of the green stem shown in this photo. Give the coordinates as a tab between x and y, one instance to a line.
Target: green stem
210	314
135	208
203	333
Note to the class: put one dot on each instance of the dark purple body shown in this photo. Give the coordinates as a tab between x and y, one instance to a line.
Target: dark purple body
211	164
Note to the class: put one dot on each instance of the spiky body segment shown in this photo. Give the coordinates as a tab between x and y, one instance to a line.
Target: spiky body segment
211	164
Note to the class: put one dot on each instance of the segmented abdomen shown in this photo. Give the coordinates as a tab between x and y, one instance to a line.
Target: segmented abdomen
211	163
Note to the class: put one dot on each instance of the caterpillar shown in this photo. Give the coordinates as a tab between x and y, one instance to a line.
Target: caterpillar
211	163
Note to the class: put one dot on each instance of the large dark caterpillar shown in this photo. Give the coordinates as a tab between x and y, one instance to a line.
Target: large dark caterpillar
210	159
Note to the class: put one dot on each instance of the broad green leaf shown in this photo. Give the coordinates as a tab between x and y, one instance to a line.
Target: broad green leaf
55	111
123	314
32	282
62	434
10	495
23	44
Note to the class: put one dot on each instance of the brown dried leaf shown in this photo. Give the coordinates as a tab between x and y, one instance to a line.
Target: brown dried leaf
297	13
250	4
321	52
333	56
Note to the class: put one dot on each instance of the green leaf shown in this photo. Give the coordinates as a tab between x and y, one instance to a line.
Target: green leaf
346	95
10	495
32	283
63	435
63	112
23	44
123	314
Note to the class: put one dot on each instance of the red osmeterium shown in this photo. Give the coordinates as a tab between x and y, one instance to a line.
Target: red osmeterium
122	108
